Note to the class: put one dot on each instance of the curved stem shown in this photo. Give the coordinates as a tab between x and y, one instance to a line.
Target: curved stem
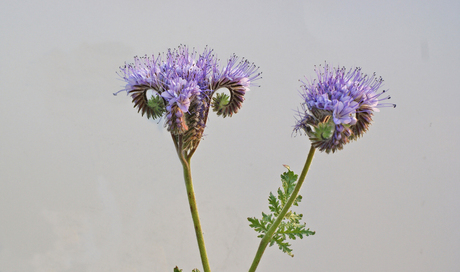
268	236
185	160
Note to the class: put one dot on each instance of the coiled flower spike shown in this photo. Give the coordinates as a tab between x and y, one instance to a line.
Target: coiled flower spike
184	84
338	106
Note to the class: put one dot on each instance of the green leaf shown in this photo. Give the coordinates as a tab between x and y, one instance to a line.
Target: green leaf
297	200
290	227
282	245
176	269
274	204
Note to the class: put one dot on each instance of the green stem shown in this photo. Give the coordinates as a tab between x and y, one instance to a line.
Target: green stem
268	236
185	160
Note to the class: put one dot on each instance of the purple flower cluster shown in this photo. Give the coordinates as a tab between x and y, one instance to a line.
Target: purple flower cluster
186	82
338	106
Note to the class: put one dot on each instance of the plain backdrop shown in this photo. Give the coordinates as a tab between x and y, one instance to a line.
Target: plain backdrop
87	184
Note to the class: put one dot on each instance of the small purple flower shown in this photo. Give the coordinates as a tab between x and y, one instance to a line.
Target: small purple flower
338	106
179	91
185	83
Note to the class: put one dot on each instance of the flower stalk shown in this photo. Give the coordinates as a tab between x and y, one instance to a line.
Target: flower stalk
185	160
268	236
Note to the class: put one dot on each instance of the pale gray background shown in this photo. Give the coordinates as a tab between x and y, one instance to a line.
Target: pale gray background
89	185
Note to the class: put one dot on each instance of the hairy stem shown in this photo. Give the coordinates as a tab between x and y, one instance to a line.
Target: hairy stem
185	160
268	236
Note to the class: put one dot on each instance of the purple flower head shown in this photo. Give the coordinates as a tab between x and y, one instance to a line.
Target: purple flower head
338	106
179	91
184	83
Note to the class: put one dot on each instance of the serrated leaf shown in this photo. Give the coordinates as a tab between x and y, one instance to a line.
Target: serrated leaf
195	270
283	245
267	218
297	200
257	225
282	197
274	204
290	227
176	269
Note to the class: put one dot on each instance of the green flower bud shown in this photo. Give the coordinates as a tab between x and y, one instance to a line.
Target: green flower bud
157	106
